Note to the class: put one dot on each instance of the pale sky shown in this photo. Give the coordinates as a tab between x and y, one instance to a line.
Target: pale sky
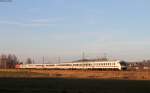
66	28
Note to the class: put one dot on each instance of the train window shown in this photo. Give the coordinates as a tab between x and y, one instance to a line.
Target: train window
68	64
39	65
49	65
75	64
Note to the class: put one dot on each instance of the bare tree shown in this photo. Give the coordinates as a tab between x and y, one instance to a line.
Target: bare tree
29	61
8	61
3	61
11	61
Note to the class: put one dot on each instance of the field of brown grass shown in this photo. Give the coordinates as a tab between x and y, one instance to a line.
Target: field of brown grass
87	74
81	74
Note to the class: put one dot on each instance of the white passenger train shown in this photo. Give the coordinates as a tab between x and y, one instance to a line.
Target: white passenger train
89	65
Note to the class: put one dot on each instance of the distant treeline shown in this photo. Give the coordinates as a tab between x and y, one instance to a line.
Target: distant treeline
141	63
8	61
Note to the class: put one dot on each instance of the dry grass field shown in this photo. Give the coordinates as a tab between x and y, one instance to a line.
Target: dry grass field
73	81
88	74
79	74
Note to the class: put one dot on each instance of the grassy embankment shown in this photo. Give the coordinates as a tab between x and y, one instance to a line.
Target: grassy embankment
16	73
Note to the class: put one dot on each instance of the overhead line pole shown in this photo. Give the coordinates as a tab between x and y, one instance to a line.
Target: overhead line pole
59	60
83	55
43	60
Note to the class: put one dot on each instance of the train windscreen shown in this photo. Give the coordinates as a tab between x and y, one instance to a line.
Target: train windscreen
123	63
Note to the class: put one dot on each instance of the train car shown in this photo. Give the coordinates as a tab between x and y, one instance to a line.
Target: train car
35	66
89	65
100	65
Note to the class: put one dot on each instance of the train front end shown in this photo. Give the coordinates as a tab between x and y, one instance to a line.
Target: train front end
123	65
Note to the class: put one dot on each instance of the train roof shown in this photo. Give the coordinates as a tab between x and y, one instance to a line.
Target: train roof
81	62
90	61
